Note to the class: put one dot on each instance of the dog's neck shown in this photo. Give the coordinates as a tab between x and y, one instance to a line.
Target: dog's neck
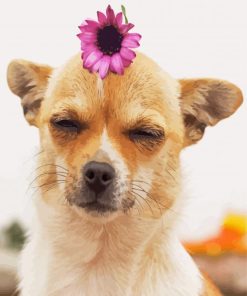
124	236
113	257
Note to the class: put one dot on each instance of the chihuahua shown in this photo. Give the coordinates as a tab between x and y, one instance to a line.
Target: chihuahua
108	177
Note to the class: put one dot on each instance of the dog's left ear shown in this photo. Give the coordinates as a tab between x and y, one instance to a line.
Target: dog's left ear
29	81
205	102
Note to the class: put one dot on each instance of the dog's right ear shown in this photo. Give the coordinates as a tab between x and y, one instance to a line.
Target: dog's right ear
29	81
204	102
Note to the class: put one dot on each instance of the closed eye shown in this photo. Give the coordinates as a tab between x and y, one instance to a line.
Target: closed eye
67	125
147	138
146	134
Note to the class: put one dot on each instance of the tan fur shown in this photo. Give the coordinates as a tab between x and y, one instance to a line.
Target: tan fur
133	252
211	95
29	81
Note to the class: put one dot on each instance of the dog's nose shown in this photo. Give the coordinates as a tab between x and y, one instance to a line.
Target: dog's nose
98	175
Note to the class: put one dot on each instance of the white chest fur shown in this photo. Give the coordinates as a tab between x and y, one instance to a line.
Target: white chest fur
128	257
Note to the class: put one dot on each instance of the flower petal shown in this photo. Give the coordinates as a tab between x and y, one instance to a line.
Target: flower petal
125	28
104	66
134	36
126	63
82	24
92	23
110	14
127	53
101	18
82	28
92	59
88	37
81	35
129	41
95	67
117	64
119	19
88	49
83	44
87	28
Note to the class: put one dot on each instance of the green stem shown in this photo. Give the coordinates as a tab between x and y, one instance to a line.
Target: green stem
124	13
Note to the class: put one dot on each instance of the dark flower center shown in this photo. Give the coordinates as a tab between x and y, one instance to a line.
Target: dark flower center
109	40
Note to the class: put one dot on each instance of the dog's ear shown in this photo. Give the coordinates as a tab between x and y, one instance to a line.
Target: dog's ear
28	81
205	102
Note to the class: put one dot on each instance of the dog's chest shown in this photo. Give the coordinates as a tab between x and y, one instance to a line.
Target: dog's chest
101	278
104	282
111	276
106	262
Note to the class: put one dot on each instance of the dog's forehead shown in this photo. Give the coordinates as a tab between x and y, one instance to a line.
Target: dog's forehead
143	86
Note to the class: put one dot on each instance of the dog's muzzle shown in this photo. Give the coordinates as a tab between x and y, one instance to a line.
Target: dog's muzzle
98	187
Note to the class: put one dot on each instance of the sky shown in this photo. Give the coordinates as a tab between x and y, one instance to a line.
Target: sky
187	39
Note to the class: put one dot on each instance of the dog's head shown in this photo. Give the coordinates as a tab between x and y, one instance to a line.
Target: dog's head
112	147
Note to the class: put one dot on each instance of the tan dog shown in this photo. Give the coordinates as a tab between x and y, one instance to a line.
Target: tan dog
109	177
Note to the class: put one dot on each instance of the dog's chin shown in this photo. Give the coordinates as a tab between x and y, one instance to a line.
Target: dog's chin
97	213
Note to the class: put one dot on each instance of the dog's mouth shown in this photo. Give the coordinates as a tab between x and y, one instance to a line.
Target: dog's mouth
102	207
96	206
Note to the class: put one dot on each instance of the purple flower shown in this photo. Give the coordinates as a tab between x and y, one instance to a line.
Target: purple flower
106	44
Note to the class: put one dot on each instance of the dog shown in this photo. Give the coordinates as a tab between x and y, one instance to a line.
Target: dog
109	177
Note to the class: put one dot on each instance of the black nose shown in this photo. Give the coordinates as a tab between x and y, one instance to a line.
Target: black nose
98	175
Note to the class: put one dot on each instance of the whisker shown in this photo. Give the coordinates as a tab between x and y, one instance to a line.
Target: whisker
140	181
44	165
145	200
49	173
54	185
164	206
136	205
33	156
46	184
52	164
149	196
173	177
43	174
37	188
38	153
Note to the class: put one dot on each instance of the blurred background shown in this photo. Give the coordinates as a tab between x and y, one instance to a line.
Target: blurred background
192	38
